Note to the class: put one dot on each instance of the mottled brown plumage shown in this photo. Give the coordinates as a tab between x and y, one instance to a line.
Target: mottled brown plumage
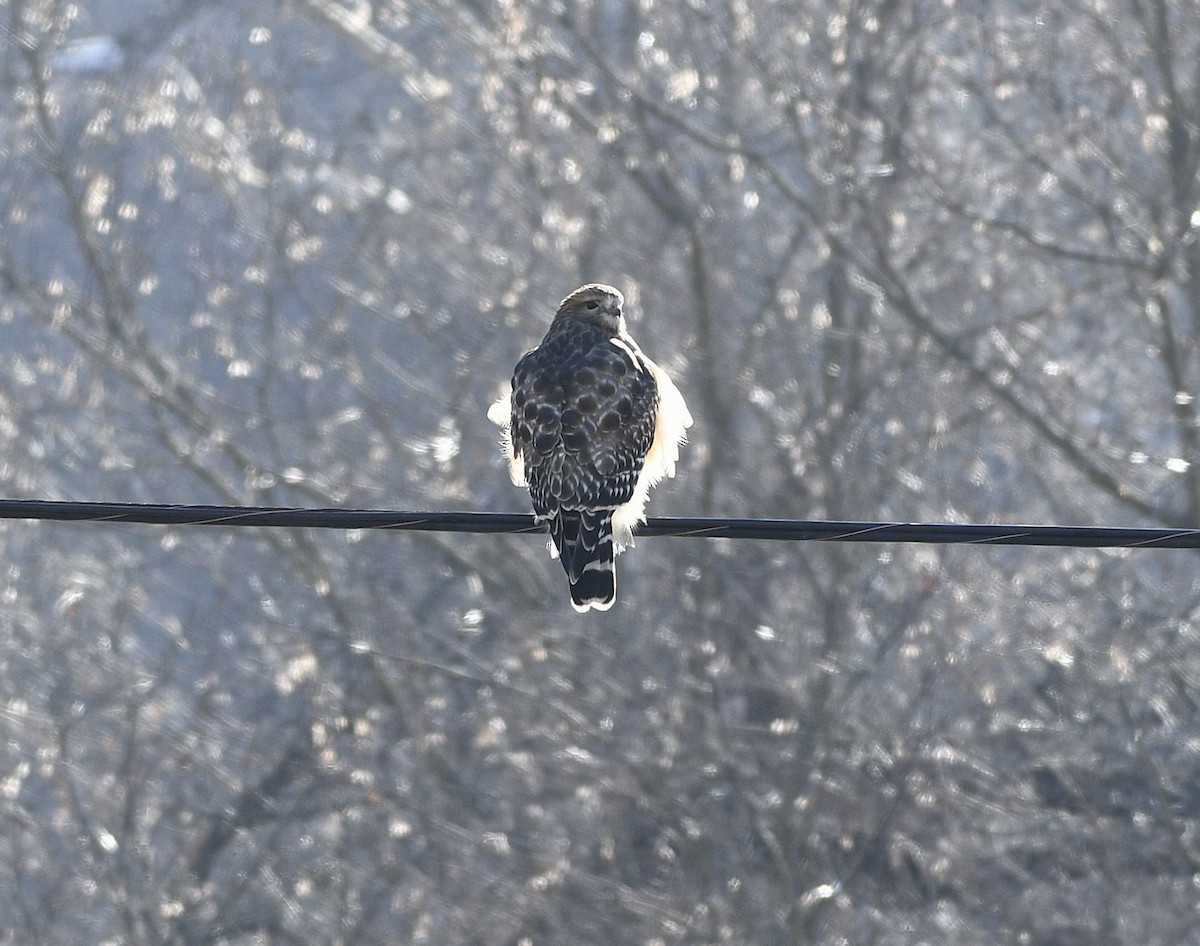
587	410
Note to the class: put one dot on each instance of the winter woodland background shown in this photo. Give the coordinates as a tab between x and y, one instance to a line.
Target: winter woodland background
908	259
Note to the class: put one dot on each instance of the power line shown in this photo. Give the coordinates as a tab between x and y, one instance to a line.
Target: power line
788	530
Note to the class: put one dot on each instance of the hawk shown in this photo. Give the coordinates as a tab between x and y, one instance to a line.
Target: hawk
590	425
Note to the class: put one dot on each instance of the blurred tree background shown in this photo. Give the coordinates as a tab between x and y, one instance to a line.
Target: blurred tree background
907	259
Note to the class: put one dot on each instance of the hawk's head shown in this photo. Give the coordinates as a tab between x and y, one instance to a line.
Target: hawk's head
595	303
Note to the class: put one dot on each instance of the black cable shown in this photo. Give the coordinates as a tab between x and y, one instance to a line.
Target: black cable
790	530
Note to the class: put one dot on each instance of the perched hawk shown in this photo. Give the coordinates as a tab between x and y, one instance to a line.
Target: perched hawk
591	424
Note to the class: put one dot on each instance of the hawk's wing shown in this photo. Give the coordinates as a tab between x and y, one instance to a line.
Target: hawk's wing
583	416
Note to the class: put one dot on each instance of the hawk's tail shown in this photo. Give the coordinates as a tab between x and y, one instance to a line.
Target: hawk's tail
585	546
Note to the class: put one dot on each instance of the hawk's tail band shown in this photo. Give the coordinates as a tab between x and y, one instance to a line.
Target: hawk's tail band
584	539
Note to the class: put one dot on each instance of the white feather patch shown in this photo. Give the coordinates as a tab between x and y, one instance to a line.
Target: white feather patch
598	605
670	432
500	414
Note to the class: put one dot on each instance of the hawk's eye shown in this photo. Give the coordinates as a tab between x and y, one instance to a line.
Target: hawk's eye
591	304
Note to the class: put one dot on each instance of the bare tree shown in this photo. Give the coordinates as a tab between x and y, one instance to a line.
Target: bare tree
910	259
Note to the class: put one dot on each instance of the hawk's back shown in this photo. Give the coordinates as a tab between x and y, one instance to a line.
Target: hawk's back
583	413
